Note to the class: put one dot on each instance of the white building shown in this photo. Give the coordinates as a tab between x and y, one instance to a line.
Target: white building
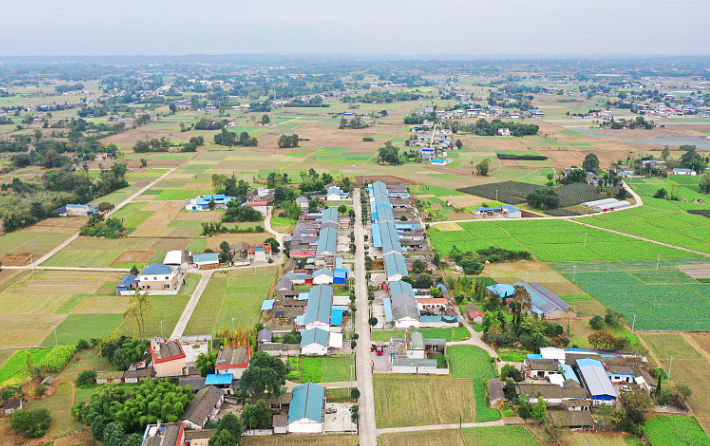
305	413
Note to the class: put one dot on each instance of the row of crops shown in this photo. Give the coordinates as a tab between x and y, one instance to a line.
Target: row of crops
550	241
661	299
514	192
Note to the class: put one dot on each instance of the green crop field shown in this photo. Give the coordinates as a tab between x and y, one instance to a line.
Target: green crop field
59	405
450	334
230	297
667	430
467	361
326	370
84	326
550	241
419	401
662	299
14	372
499	435
675	228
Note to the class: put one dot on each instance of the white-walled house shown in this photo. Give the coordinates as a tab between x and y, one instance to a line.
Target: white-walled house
305	413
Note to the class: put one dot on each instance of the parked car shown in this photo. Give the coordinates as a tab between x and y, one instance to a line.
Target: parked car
331	410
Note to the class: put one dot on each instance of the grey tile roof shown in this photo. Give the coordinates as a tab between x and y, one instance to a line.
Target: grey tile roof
202	405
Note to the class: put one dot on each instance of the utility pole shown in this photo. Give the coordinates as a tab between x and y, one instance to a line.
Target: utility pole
633	324
585	239
32	261
56	340
232	324
658	261
574	274
162	335
670	367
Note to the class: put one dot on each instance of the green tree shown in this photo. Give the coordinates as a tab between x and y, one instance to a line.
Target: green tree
30	423
113	435
86	378
665	153
121	359
29	364
591	163
173	108
544	199
372	321
264	374
705	183
265	119
389	154
224	438
597	322
205	363
312	206
275	245
97	428
459	144
292	337
540	410
258	416
483	167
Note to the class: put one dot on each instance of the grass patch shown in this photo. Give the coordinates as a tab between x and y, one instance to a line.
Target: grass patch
450	334
14	372
84	326
499	435
667	430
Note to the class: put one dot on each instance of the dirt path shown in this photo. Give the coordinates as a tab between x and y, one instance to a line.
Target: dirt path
432	427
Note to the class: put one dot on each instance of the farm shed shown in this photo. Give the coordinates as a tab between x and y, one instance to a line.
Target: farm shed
544	301
395	267
474	313
133	376
200	437
210	258
127	282
109	377
173	258
204	406
305	414
172	434
319	309
12	405
496	396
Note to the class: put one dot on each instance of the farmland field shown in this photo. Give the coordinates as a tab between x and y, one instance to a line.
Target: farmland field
450	437
660	298
59	405
450	334
499	435
84	326
326	370
472	362
14	372
549	241
667	226
421	401
595	439
675	431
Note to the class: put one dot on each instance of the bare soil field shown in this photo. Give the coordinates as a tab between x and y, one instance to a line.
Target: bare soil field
69	222
134	257
703	341
164	216
27	330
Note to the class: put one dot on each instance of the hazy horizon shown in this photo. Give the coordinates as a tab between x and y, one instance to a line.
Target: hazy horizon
463	28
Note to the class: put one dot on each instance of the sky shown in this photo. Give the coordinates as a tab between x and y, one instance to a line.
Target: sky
363	27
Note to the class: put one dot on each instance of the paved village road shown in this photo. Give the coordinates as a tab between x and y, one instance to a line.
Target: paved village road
367	426
191	304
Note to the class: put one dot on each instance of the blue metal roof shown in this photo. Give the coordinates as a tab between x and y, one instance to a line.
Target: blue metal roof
322	271
390	238
595	378
314	336
336	317
568	373
340	273
307	402
400	287
394	264
501	289
376	238
327	241
338	263
127	281
320	301
213	380
302	296
156	268
207	257
267	305
388	309
330	214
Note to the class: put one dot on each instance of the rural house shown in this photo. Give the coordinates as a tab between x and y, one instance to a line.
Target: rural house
157	277
168	358
12	405
232	361
203	407
172	434
314	342
305	413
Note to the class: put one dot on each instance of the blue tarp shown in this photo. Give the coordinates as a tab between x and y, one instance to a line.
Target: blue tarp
303	296
267	305
214	380
376	238
534	356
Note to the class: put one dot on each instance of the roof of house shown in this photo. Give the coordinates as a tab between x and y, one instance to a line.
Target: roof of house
502	289
216	380
230	357
320	303
265	334
14	403
495	390
314	336
403	306
156	268
202	434
549	391
202	405
197	382
168	351
401	287
571	418
547	365
323	271
543	299
327	241
394	264
173	258
170	437
110	375
595	377
206	257
417	341
280	420
620	370
307	402
410	362
330	215
139	373
127	281
284	284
